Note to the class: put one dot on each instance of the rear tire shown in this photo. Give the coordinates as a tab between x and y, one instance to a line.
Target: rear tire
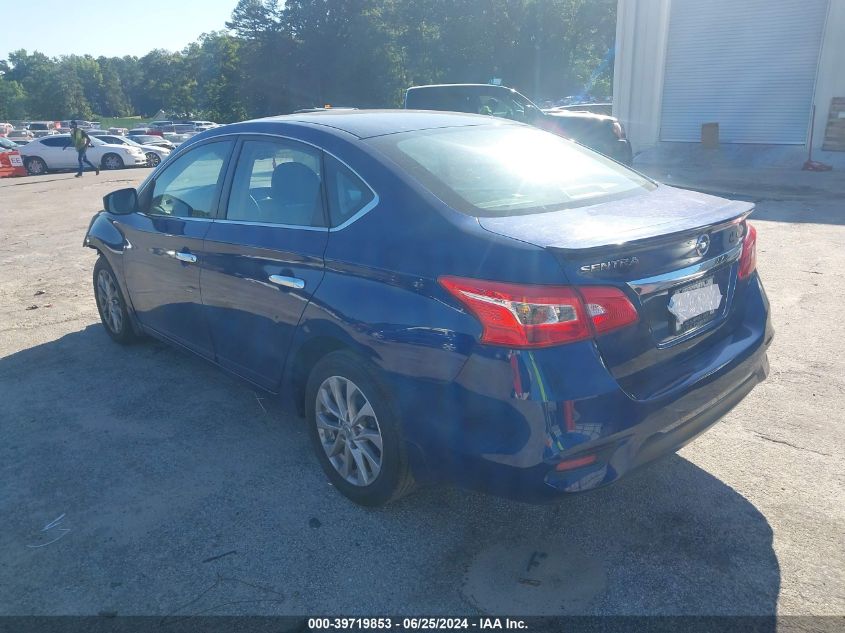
356	431
111	305
36	166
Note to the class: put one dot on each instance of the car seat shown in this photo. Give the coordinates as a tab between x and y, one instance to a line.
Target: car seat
294	196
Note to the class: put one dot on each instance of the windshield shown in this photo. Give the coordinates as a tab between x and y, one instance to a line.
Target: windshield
498	170
147	139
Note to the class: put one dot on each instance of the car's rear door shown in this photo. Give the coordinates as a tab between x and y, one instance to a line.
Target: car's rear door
164	251
264	255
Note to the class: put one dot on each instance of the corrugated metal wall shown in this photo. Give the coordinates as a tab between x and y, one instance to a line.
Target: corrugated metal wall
749	65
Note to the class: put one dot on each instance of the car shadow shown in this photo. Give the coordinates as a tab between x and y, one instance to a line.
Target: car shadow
182	491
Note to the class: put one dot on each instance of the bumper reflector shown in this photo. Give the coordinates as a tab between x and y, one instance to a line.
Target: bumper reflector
571	464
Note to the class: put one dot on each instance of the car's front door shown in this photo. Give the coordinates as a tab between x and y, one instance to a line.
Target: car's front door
58	152
164	251
264	257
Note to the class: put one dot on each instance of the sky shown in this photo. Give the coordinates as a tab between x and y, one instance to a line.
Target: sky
107	27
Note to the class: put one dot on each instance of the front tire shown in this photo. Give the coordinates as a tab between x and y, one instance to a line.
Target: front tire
112	161
111	304
356	431
36	166
153	159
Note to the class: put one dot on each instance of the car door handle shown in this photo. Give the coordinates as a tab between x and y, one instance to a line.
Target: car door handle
188	258
288	282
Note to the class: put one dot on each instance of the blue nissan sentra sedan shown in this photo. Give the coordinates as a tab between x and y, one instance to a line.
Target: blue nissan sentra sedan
443	296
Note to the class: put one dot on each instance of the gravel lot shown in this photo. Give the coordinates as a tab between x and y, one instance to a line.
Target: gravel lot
145	481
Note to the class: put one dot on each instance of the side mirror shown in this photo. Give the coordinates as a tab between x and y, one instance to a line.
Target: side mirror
121	202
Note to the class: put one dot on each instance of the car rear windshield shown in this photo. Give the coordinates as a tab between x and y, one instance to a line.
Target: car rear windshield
500	170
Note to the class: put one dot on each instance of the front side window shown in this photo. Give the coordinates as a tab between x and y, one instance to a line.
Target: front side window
277	182
347	194
187	188
500	170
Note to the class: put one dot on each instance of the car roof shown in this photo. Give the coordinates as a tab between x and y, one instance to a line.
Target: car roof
370	123
494	86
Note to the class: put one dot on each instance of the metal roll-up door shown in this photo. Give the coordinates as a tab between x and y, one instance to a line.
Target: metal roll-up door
749	65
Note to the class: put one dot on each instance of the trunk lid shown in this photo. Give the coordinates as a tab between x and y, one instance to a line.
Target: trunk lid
673	252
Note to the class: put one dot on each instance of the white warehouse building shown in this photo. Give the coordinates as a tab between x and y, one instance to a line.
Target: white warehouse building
755	67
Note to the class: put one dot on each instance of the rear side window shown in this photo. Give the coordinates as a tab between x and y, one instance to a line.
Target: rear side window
57	142
277	182
188	186
347	193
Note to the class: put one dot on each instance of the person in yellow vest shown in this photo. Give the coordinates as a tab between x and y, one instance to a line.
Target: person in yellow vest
81	141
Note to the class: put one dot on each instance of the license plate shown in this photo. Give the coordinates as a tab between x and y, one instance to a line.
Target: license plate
694	305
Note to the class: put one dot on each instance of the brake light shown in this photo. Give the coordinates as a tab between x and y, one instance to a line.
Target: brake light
519	315
608	308
748	259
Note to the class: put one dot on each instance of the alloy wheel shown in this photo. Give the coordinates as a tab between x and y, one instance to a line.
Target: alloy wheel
349	431
108	298
35	166
153	159
112	162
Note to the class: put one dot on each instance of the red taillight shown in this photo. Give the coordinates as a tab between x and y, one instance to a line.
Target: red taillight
540	316
748	259
608	308
570	464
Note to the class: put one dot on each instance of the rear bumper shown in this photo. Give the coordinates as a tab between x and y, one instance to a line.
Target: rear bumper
512	416
663	432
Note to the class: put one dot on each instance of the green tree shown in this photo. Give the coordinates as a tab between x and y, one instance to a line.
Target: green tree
167	83
253	19
217	60
279	56
113	100
13	101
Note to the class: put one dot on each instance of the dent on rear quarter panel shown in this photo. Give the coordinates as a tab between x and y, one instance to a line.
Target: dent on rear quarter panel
104	237
101	232
394	321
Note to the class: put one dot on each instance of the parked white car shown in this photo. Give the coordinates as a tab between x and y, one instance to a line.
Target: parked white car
176	139
57	152
154	153
19	136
